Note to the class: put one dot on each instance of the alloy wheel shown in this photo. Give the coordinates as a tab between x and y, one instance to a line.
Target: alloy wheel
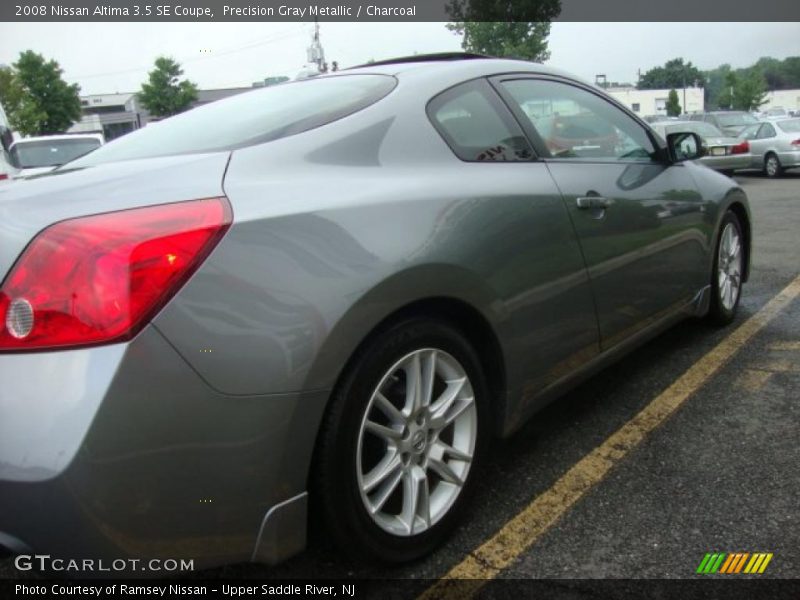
416	442
772	166
729	266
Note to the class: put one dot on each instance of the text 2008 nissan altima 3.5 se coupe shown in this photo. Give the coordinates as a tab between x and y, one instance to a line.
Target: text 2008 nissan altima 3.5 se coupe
331	293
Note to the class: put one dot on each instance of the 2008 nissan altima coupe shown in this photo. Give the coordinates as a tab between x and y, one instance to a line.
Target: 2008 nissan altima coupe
324	297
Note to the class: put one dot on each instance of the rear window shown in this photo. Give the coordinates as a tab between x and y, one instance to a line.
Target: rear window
250	118
52	153
791	126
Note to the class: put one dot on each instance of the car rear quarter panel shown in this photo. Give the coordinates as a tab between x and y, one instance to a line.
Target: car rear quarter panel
335	232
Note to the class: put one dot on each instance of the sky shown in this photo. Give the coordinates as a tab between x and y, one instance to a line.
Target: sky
115	57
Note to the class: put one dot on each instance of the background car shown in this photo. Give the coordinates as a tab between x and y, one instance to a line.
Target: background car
323	298
41	154
775	114
774	146
724	153
7	169
730	122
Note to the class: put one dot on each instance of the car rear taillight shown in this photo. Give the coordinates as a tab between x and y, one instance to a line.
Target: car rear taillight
99	279
3	176
795	142
742	148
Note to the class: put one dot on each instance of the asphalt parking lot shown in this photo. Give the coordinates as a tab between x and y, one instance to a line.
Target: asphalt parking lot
719	474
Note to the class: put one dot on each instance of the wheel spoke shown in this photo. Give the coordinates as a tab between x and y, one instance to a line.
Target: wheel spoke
450	407
386	491
444	471
448	450
390	464
387	433
416	499
389	409
428	378
733	250
413	370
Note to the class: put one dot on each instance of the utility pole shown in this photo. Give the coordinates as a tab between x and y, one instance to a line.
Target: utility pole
316	54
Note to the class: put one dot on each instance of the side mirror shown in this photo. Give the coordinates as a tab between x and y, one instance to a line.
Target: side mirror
6	138
685	146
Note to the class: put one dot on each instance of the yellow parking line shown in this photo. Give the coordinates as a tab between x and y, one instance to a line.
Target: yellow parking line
524	529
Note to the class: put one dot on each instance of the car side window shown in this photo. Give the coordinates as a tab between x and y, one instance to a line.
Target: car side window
477	126
767	131
576	124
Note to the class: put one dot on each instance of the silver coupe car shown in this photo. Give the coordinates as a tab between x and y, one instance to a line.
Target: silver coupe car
325	297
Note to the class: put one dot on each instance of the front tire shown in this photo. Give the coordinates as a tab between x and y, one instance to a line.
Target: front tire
726	278
397	452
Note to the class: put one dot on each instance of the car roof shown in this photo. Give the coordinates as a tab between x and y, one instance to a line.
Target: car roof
461	65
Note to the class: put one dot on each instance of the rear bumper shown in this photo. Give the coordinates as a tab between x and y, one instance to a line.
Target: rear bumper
124	452
727	163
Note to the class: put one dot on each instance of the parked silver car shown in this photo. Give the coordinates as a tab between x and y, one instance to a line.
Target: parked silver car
331	293
774	146
723	153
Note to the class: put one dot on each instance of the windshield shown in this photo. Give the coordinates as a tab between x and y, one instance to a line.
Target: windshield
698	127
249	118
736	119
790	126
50	153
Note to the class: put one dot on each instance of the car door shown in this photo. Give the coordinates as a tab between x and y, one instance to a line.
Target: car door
639	218
519	238
764	142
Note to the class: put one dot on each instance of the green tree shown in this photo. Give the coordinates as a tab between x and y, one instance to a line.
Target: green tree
750	91
37	99
716	83
674	74
517	28
673	106
164	95
11	95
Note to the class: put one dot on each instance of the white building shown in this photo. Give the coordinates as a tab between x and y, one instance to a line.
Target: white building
788	99
654	102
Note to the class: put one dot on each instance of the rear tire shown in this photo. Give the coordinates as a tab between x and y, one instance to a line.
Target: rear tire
394	469
726	277
772	166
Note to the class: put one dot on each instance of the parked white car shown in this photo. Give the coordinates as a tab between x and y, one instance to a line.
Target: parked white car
37	155
7	169
774	146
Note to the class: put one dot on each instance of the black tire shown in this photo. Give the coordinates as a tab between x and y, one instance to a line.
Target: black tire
727	172
719	314
772	166
334	486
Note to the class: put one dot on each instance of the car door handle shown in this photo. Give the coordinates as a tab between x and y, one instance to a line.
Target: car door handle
585	202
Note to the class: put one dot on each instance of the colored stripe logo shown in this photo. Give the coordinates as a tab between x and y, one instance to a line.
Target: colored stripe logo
734	562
